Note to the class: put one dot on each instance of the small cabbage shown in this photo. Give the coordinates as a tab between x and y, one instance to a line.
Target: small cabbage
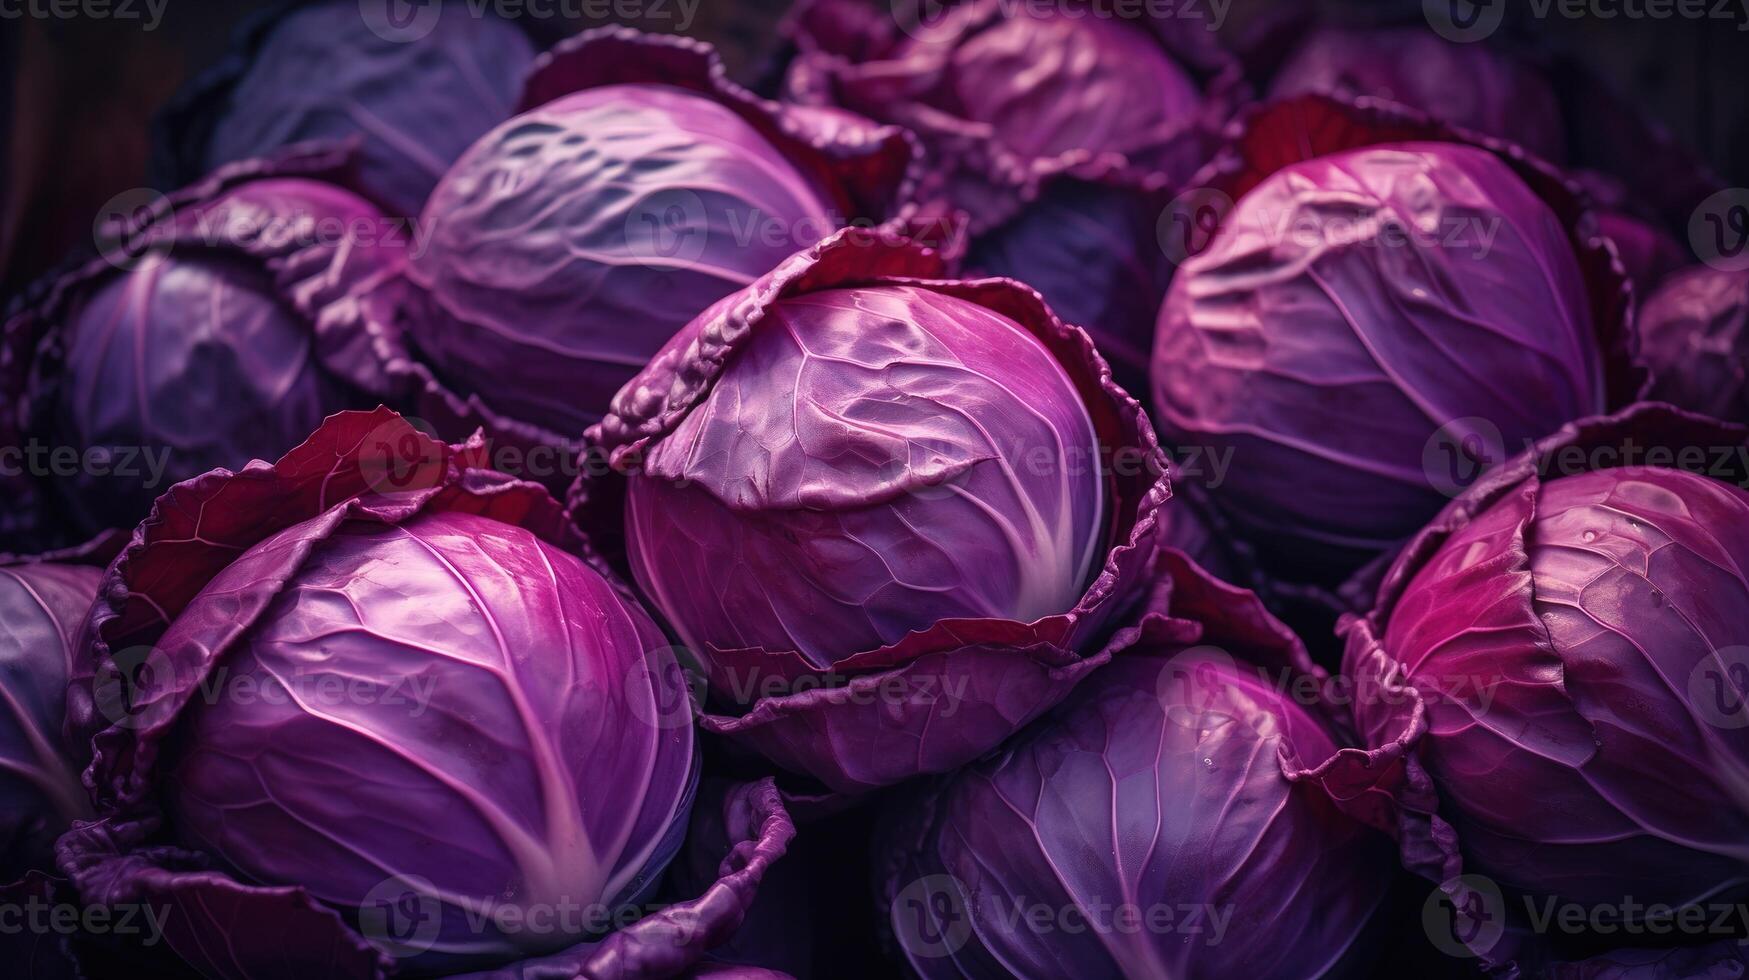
1098	84
1151	826
636	188
297	665
206	345
1056	131
1694	336
1500	95
874	460
1353	311
854	473
42	605
416	93
1558	663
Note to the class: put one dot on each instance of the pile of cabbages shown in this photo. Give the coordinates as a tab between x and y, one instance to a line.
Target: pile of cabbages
1045	493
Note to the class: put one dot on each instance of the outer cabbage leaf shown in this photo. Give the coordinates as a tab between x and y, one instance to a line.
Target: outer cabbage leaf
637	186
1553	661
1694	337
269	818
204	337
1647	253
415	98
1060	179
1385	286
41	607
877	437
1171	780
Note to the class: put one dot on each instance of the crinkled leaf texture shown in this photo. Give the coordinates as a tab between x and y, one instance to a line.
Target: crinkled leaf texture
945	692
1171	780
637	186
1694	336
205	336
414	98
42	604
1385	286
1503	96
1553	659
1061	179
488	675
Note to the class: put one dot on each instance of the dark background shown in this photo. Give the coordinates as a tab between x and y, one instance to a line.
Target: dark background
79	93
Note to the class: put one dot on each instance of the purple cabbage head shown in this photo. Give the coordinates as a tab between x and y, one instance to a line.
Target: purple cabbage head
1476	86
200	342
363	635
851	474
1057	133
874	460
1357	314
41	607
1155	824
1560	660
1694	337
415	94
636	187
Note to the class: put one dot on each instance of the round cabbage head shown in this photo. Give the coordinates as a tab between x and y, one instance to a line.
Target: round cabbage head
571	241
1501	95
415	94
451	664
869	499
1598	608
1365	331
1043	82
1694	336
204	346
1150	826
294	667
41	608
874	461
